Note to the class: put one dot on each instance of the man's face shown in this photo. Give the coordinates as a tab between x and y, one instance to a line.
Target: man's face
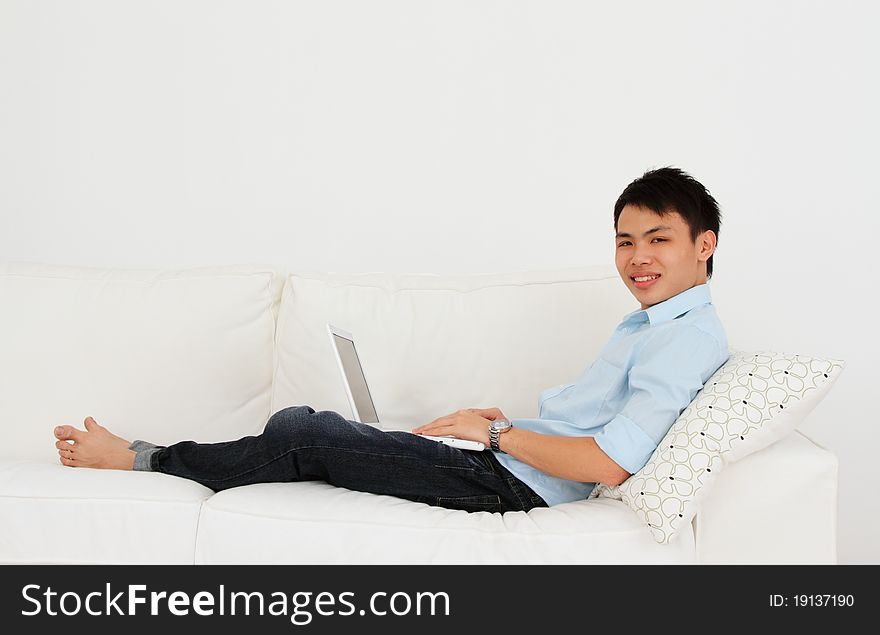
648	244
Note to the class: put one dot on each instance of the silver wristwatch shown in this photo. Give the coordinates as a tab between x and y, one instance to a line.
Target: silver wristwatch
496	428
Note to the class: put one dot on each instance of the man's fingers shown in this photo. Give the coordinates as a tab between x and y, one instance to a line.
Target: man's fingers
450	420
433	429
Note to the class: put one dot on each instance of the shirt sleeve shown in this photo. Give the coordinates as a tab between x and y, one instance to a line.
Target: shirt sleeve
665	378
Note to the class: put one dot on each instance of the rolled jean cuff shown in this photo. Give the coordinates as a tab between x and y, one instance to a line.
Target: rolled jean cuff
137	445
144	452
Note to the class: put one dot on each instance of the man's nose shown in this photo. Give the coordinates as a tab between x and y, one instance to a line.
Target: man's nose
641	256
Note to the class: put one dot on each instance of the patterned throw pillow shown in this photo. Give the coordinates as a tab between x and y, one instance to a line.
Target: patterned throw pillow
753	400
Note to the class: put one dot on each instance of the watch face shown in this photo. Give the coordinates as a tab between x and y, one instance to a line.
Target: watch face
501	424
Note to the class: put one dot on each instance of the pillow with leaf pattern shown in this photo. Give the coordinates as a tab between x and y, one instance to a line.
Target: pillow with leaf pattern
753	400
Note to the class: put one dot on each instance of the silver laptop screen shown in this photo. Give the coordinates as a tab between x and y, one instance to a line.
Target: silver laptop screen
357	383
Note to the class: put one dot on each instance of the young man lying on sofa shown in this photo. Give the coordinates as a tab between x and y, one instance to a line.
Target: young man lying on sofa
599	429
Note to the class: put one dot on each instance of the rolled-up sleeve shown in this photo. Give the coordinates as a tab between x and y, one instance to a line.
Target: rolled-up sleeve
671	369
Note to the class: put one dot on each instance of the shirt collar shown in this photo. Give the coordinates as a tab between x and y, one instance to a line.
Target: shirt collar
670	309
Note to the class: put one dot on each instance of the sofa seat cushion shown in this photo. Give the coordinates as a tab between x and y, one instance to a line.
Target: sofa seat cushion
316	523
57	514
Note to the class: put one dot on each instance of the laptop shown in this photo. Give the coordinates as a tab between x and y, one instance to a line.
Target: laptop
359	398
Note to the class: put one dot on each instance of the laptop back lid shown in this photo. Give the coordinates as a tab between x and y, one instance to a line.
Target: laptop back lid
359	398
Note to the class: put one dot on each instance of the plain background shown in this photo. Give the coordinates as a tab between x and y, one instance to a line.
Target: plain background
465	137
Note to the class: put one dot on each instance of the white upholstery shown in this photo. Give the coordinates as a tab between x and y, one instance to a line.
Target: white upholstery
55	514
316	523
167	355
776	506
193	354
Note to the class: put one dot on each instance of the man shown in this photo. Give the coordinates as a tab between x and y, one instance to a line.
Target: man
599	429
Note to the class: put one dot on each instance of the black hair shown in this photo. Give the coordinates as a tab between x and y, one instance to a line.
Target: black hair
667	190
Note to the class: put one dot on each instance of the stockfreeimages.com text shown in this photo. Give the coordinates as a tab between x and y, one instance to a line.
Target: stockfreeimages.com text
301	606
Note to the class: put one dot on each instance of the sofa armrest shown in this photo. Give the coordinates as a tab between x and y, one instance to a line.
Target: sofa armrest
776	506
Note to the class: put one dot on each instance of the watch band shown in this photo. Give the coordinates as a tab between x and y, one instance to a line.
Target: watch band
495	434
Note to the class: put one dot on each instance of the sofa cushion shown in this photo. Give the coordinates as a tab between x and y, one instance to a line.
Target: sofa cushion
433	344
316	523
57	514
161	355
753	400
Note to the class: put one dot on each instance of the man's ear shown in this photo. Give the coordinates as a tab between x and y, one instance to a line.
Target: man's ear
707	242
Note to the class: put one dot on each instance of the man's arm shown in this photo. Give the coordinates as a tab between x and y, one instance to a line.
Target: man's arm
571	458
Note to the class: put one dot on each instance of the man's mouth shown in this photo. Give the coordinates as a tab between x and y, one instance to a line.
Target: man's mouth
645	281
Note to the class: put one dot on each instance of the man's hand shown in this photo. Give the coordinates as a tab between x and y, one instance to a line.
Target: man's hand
489	413
471	424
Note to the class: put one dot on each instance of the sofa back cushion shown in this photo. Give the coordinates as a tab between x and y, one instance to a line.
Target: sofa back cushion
162	355
433	344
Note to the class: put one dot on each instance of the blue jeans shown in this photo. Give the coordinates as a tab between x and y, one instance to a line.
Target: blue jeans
299	444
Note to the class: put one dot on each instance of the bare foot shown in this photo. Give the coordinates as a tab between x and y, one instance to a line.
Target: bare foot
95	447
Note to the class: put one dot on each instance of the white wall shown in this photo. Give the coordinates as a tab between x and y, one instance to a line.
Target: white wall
464	136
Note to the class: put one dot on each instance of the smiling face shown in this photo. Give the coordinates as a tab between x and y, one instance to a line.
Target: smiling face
660	248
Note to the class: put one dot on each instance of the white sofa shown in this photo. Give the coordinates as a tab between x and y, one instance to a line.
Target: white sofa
210	353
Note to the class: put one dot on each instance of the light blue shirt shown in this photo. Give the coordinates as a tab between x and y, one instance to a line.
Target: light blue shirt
653	366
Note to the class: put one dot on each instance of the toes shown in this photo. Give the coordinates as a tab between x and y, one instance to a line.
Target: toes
68	432
68	462
64	445
91	424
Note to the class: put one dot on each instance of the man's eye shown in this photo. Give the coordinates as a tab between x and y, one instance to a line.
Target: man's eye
660	239
623	243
